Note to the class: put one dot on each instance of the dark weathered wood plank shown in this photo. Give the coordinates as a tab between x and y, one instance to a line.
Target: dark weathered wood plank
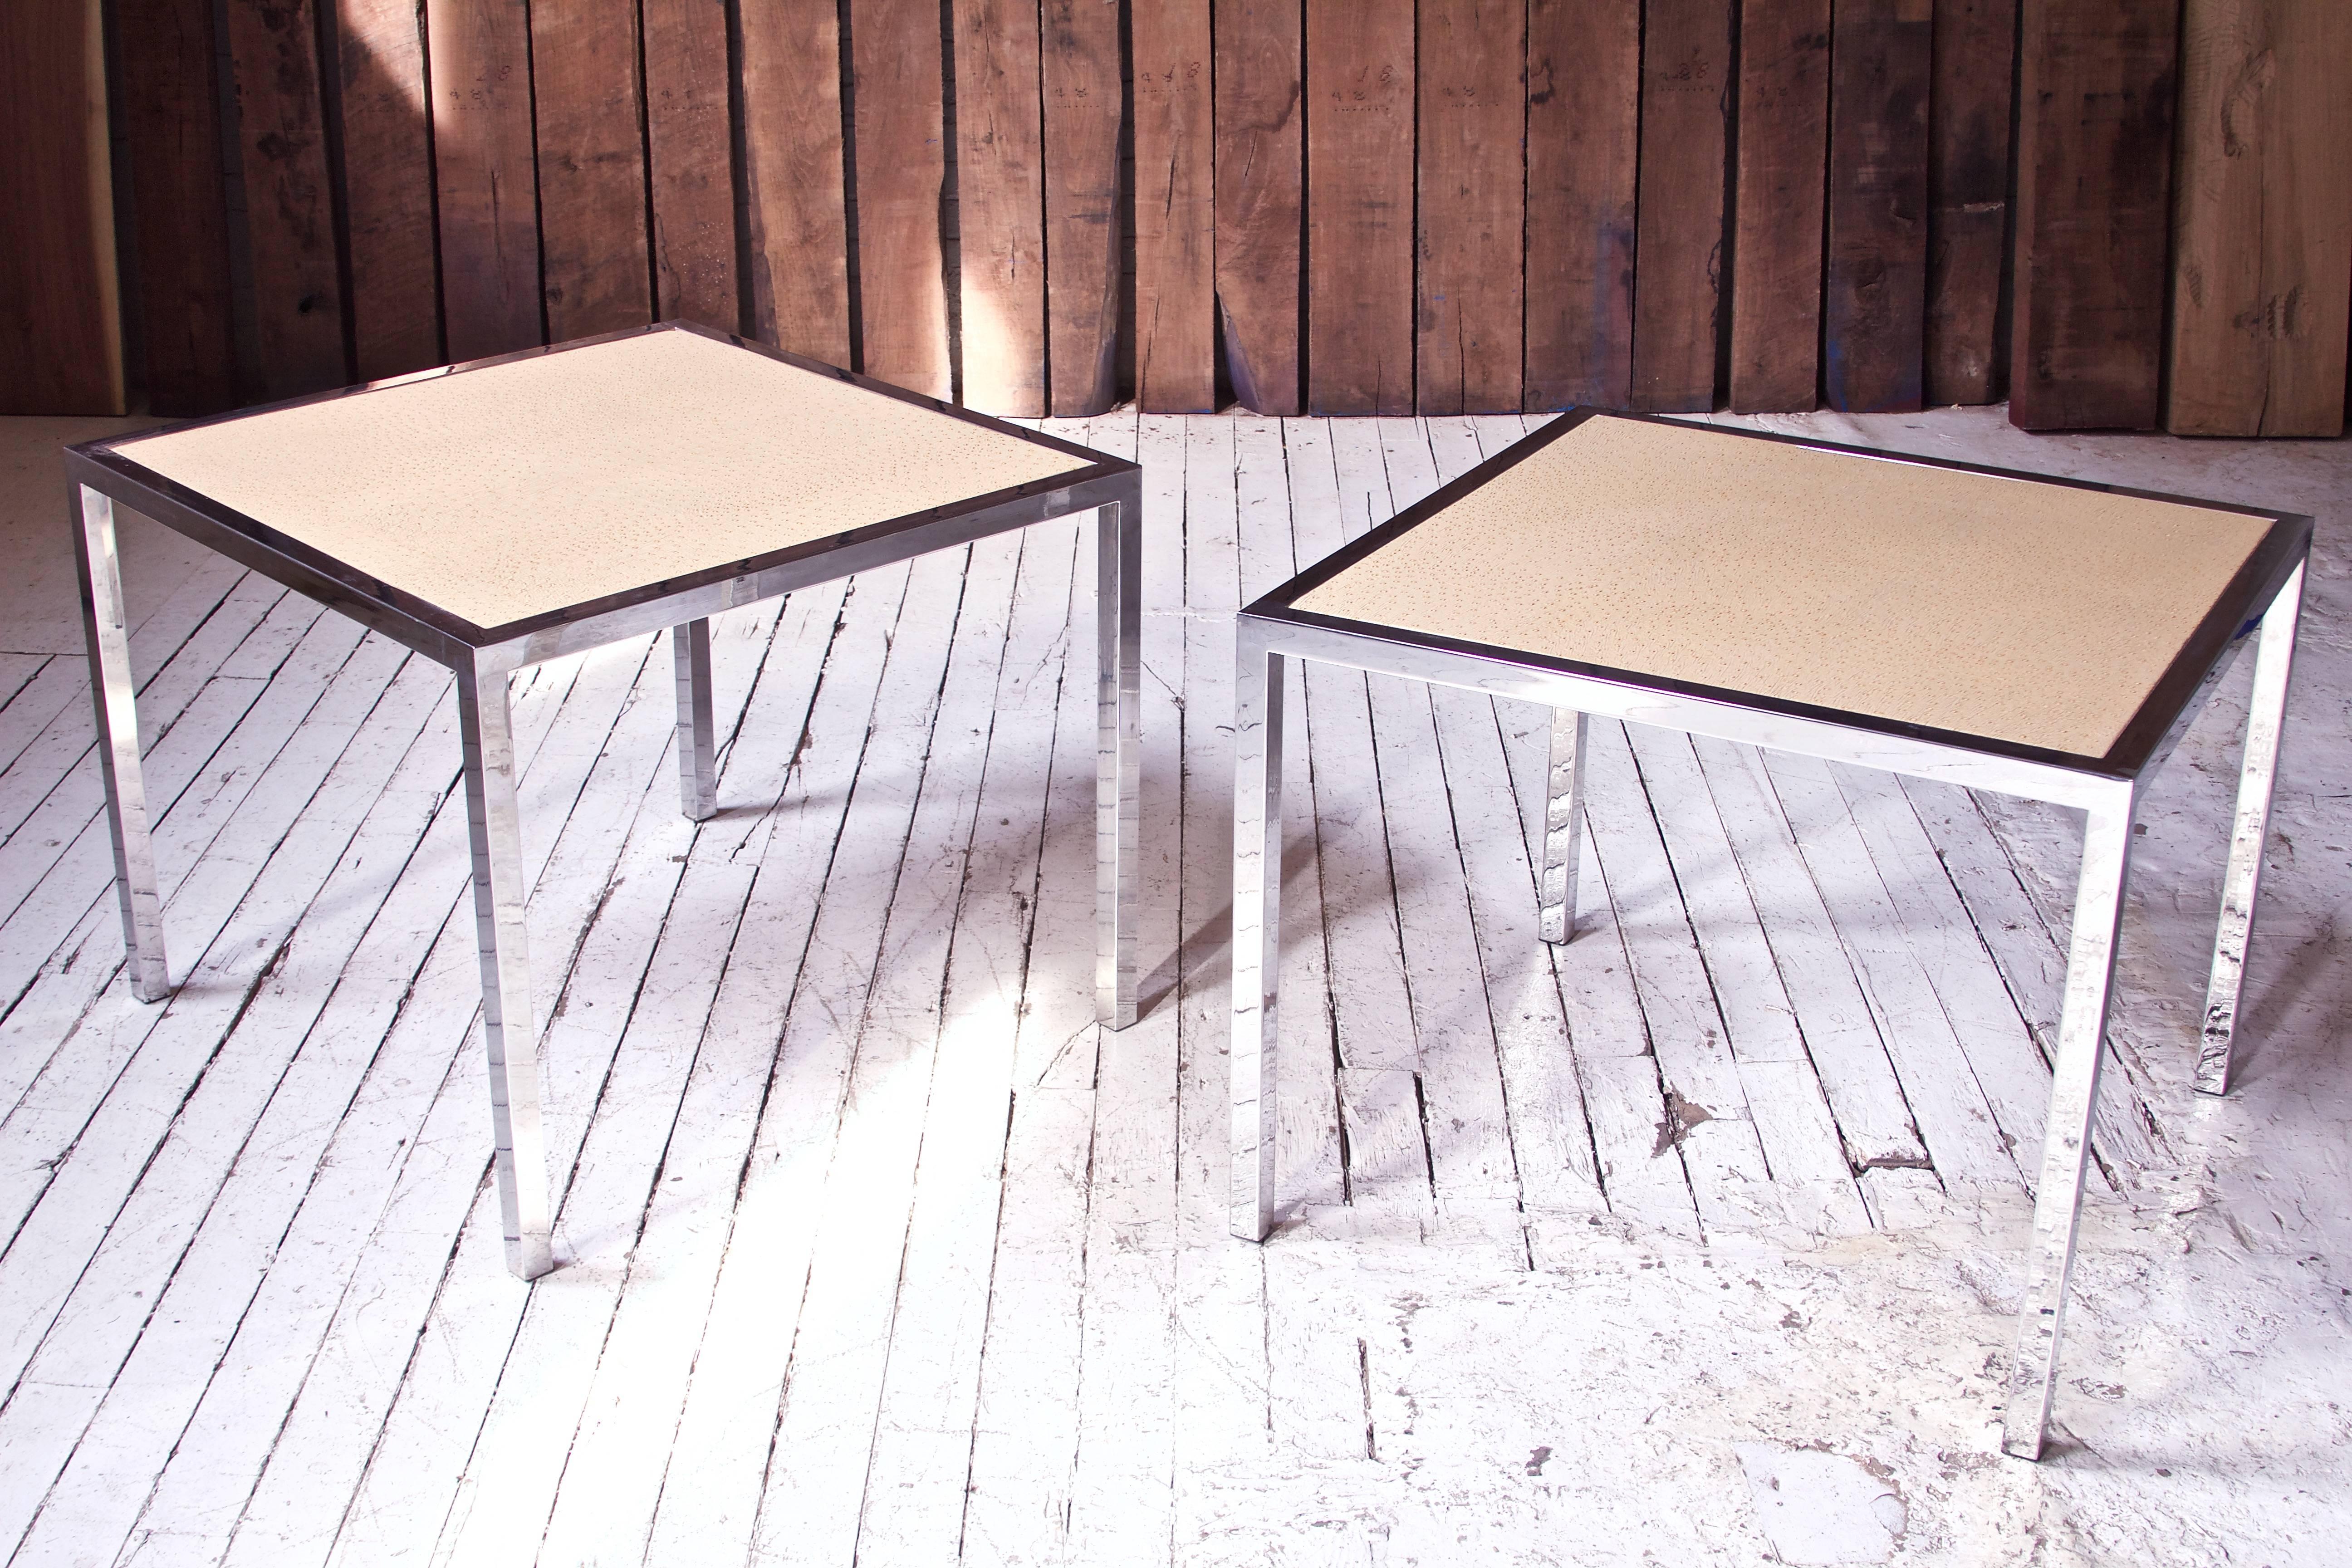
593	263
1470	318
1175	208
170	119
1000	205
2263	223
298	296
1359	239
1968	196
387	158
901	165
483	172
1677	286
1776	253
2093	185
1584	97
1874	297
1083	112
794	177
1261	212
60	327
690	161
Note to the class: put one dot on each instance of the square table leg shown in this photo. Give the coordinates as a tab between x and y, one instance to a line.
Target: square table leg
2257	775
697	745
1118	711
1256	924
1563	826
108	629
494	824
2066	1141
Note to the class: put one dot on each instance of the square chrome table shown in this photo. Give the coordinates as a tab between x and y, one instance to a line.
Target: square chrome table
497	514
2034	637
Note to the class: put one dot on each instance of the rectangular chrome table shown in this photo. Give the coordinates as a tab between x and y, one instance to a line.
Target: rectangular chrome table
2039	637
500	513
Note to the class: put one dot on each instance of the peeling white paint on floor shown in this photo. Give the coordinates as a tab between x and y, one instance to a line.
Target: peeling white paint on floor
877	1249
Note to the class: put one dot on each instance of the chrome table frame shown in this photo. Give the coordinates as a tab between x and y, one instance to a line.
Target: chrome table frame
2265	594
483	657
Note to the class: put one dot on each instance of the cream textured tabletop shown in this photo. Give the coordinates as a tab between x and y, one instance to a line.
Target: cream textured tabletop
2009	609
508	492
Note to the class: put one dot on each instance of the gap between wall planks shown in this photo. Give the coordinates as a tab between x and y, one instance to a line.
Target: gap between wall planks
1360	238
1260	198
1084	111
2094	177
1967	196
394	185
2261	220
1470	313
1776	285
1175	208
1873	306
1686	100
1584	76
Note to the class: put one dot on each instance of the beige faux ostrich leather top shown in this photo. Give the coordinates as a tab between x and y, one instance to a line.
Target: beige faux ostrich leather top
2003	608
510	491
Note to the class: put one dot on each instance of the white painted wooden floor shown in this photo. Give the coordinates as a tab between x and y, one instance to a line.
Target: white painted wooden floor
1693	1242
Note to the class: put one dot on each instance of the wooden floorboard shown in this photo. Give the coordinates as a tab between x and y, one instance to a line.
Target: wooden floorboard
875	1246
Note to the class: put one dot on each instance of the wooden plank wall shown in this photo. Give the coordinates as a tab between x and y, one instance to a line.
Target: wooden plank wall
1343	206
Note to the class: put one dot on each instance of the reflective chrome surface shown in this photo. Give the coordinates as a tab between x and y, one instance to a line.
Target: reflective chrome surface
2066	1142
1257	921
1119	717
1563	826
494	827
2257	775
113	700
697	745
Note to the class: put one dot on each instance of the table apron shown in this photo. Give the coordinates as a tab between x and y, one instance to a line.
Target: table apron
1692	715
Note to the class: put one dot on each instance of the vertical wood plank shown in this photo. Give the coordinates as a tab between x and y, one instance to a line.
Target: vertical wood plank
484	174
1874	300
170	116
1776	254
1359	239
1471	163
691	161
593	263
794	176
901	162
1083	113
2262	224
298	296
1584	107
387	187
1261	198
1677	286
1175	208
1000	205
1968	196
2093	182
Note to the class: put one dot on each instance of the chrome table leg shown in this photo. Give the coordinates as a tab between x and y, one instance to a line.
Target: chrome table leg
1563	826
1257	924
1118	703
2257	775
698	759
108	629
494	824
2066	1141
